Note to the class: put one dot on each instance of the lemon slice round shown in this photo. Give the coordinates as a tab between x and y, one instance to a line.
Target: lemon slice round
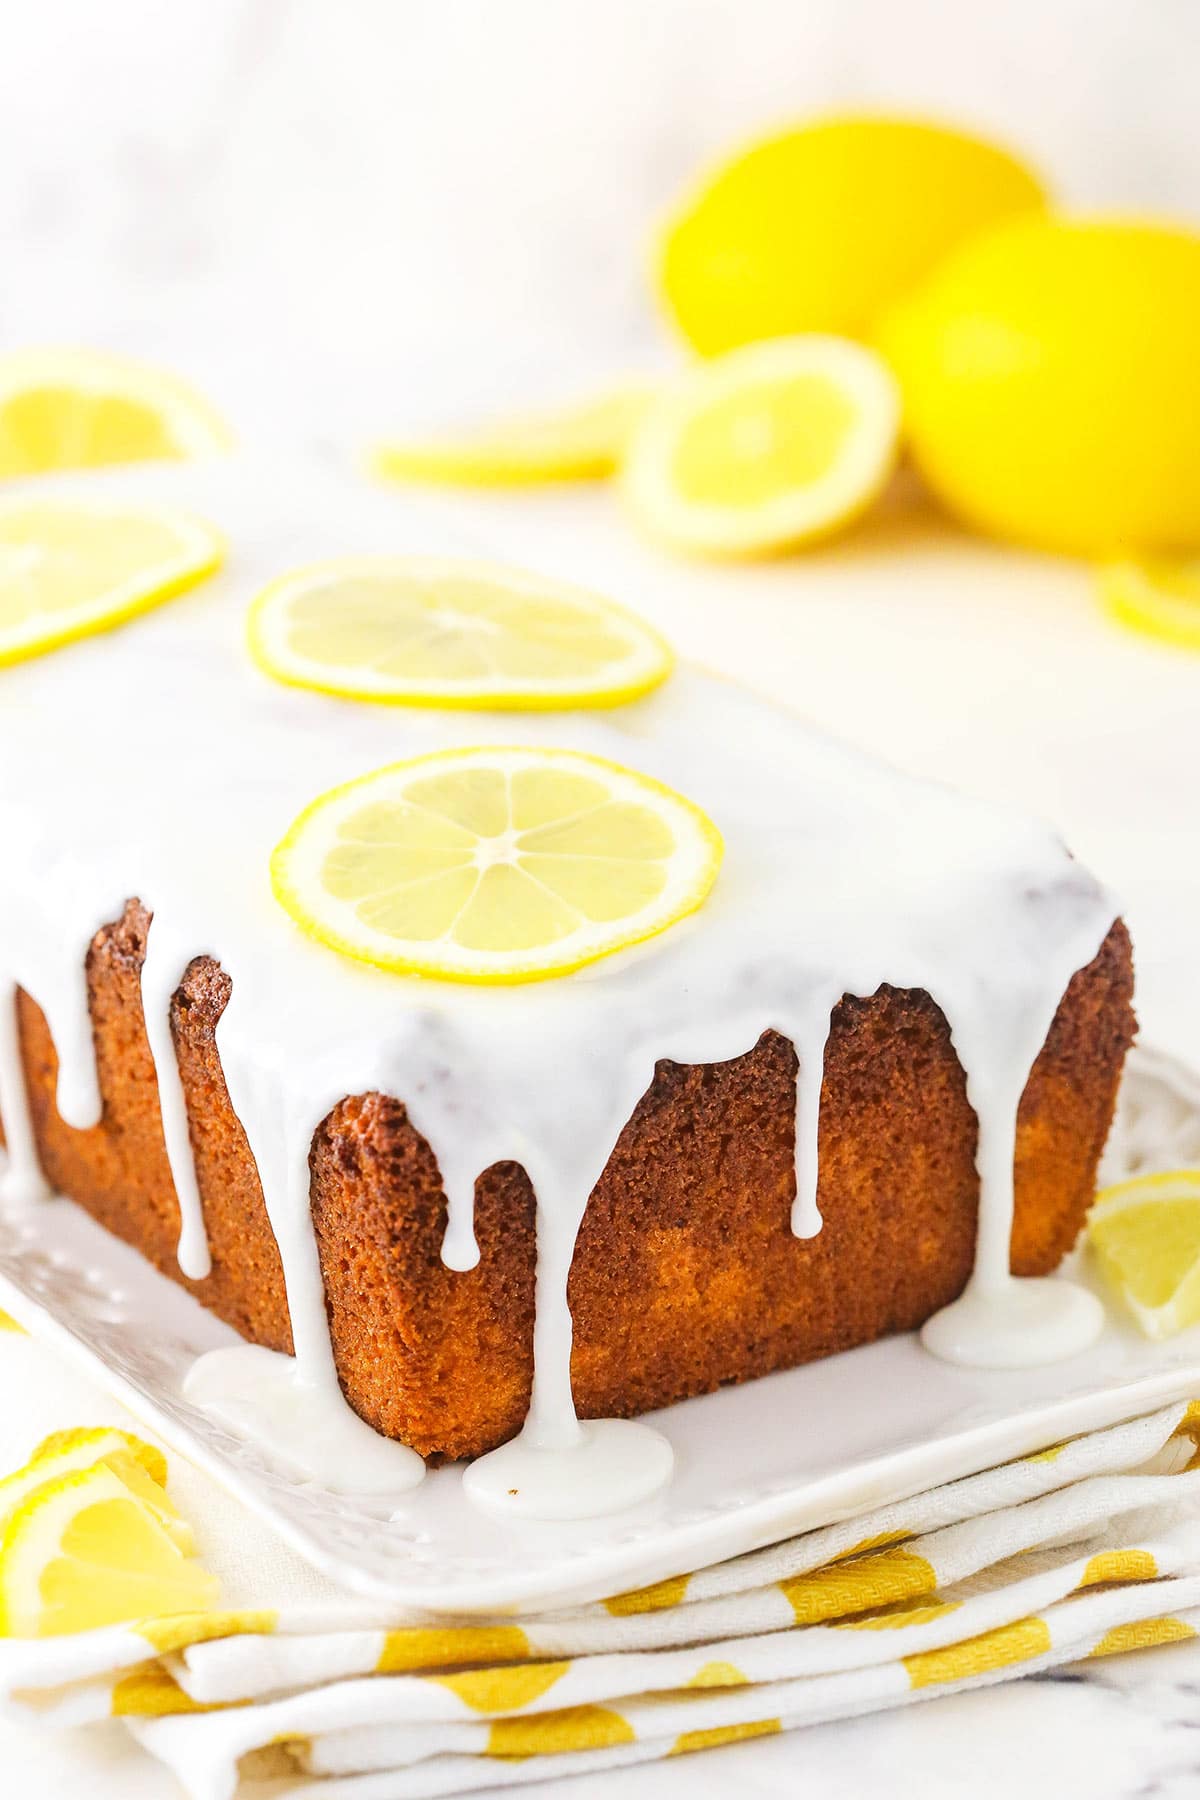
85	1550
495	865
1161	600
80	409
769	446
1145	1234
424	631
570	443
69	568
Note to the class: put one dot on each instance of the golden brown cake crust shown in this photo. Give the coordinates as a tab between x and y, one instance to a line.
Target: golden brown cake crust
686	1275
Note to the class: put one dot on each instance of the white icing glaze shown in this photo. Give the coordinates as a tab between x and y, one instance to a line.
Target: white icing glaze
21	1179
261	1395
173	769
1014	1324
613	1464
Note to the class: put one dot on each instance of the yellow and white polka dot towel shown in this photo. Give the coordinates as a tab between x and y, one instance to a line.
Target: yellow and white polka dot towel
1085	1549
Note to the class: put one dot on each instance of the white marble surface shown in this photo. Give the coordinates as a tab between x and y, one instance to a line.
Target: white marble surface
342	218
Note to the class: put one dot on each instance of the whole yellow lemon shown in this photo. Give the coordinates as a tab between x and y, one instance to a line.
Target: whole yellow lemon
821	228
1051	380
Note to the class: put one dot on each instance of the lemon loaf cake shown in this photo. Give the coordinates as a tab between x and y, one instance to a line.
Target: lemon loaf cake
867	1081
686	1275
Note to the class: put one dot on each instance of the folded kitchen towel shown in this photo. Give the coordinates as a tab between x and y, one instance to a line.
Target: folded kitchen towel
1083	1549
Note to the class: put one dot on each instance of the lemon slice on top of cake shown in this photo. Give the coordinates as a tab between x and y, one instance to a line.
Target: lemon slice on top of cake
444	631
495	865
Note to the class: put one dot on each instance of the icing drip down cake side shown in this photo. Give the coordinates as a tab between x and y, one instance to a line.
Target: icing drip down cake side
873	1072
686	1273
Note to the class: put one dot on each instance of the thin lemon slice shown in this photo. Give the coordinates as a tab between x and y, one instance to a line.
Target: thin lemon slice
569	443
769	446
69	568
141	1466
1161	600
495	865
1145	1234
81	409
85	1550
424	631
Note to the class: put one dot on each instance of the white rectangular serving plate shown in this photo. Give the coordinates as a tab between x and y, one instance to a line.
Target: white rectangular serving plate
754	1463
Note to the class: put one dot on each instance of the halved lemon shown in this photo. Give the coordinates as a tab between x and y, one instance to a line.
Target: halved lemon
495	865
767	447
85	1550
1159	599
69	568
81	409
568	443
425	631
1145	1234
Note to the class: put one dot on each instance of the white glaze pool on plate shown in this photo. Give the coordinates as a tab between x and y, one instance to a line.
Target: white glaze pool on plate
173	767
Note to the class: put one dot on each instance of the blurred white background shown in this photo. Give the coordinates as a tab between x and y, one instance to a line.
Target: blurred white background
353	213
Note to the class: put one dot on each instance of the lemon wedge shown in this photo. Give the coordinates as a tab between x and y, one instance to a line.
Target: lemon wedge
85	1550
495	865
83	1445
569	443
769	446
1161	600
1145	1234
81	409
69	568
424	631
141	1466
